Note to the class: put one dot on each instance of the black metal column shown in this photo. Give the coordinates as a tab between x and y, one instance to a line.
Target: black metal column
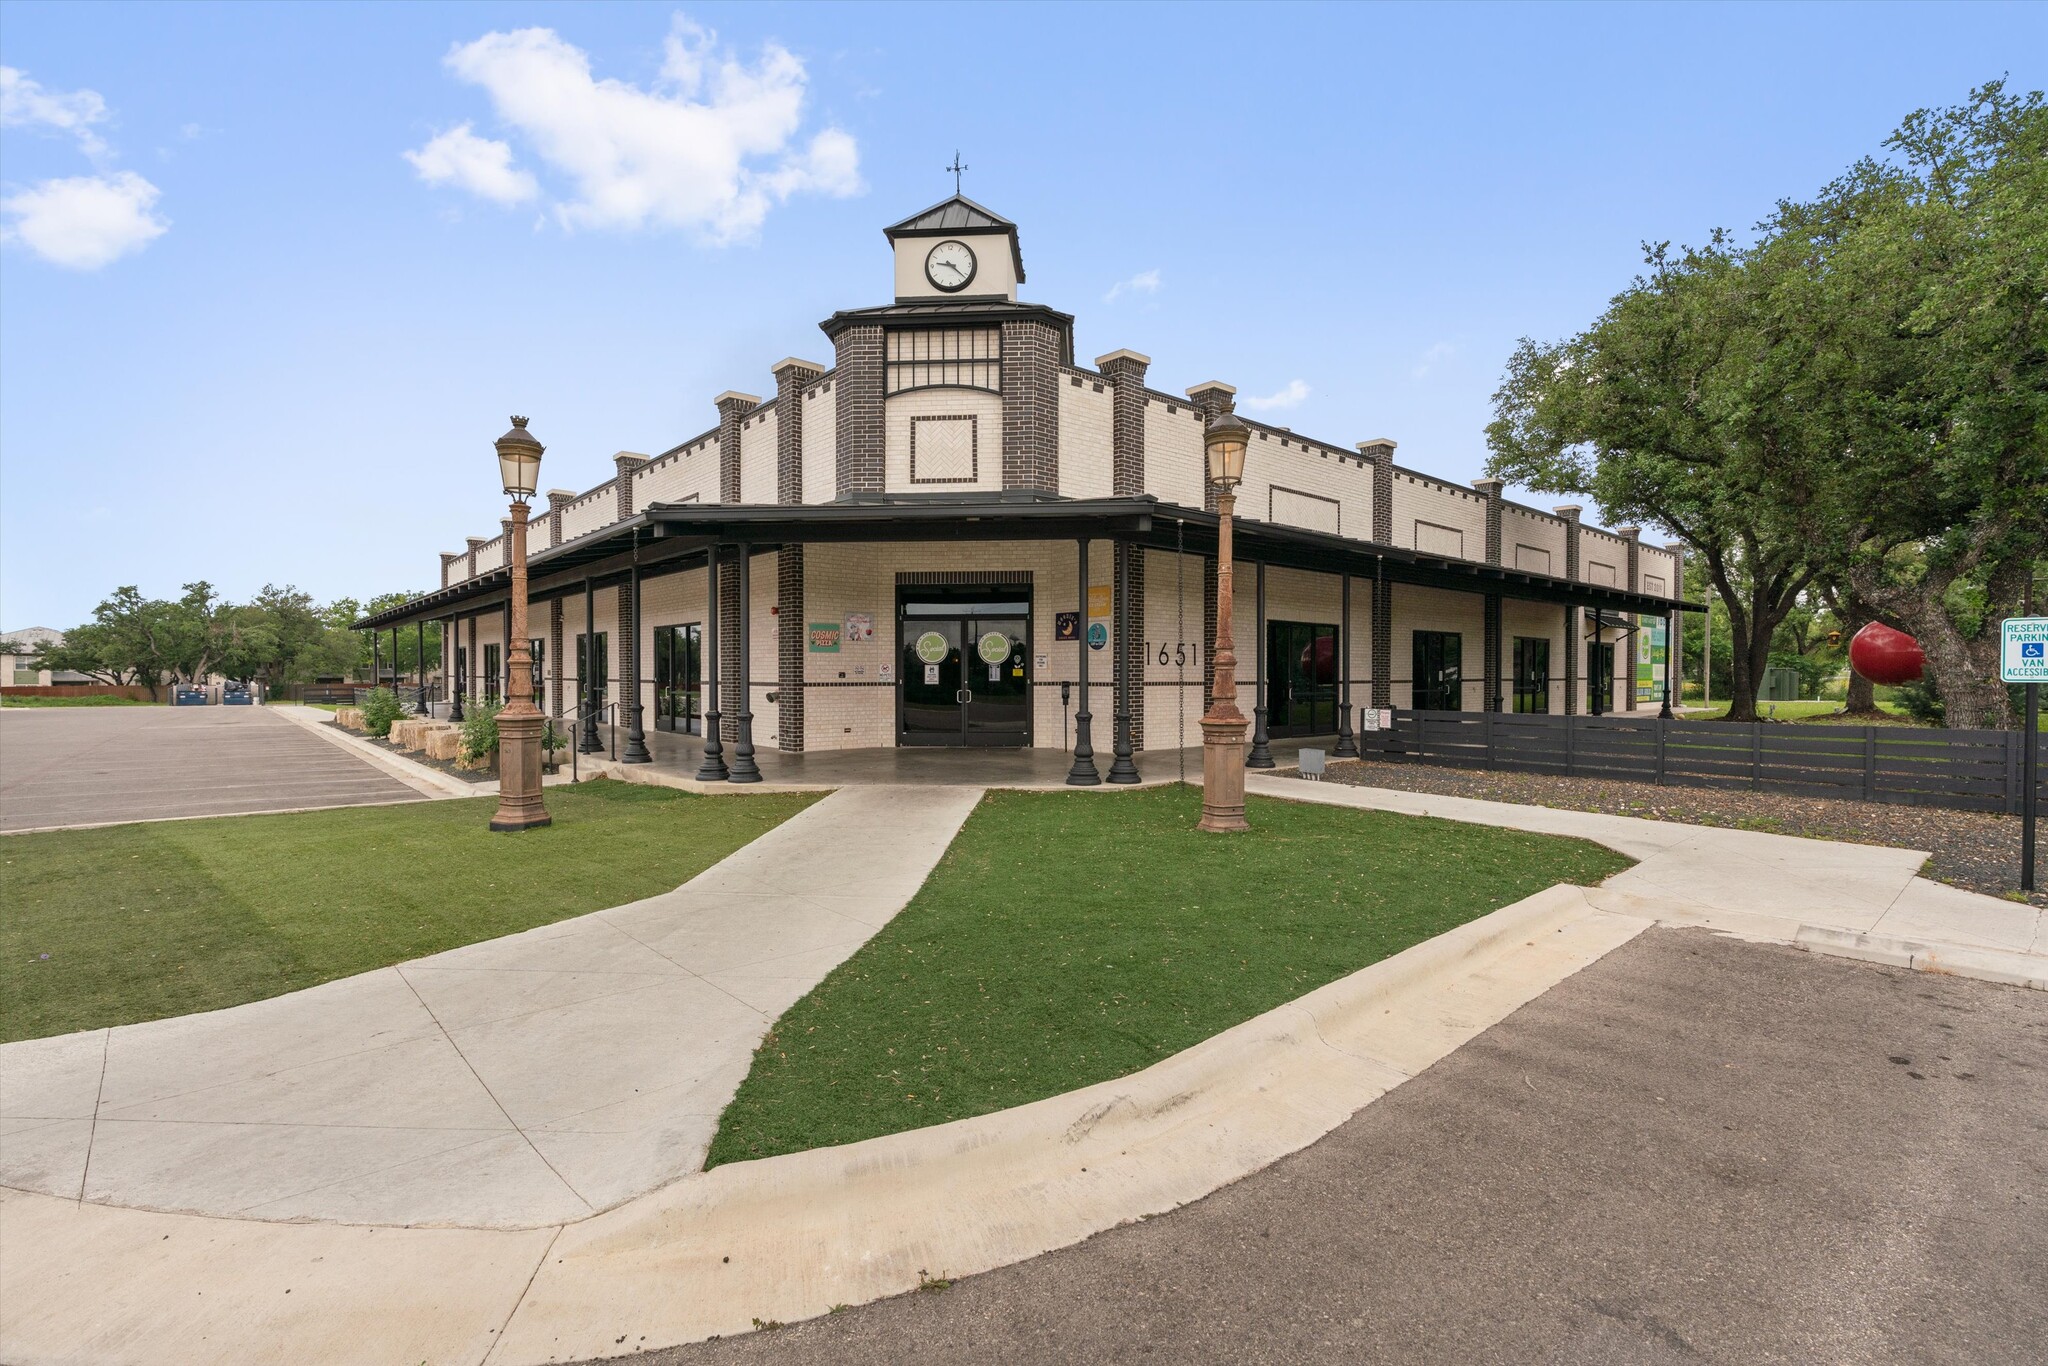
1347	744
586	672
1262	752
419	645
635	751
1122	769
458	670
713	769
1490	638
1597	690
1083	773
376	659
744	769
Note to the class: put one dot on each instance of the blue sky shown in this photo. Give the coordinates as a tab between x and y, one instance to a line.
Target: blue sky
274	347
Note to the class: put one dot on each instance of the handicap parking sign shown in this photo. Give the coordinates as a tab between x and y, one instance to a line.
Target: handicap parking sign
2024	656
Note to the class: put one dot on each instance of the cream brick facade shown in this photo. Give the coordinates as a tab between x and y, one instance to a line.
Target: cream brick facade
1056	421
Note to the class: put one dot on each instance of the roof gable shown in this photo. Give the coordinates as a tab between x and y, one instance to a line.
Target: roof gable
958	214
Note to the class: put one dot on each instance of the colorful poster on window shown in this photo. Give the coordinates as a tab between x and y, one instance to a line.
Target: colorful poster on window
1651	652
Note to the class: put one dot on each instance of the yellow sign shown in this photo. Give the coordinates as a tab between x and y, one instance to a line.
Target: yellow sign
1098	599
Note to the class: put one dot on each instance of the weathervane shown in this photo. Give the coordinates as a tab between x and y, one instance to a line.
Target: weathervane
956	168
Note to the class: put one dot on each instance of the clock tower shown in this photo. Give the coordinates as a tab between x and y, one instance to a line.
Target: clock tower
956	251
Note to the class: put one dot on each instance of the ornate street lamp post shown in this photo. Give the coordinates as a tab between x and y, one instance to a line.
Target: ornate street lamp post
1223	726
519	723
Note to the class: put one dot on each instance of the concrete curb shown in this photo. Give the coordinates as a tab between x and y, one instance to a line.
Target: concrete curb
784	1238
427	781
1986	965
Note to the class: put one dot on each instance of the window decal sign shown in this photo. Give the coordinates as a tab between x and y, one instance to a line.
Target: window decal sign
993	647
932	648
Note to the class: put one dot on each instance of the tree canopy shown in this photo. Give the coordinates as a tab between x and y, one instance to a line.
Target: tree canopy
1854	404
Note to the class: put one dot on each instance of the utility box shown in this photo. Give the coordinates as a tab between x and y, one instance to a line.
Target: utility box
1312	764
1779	685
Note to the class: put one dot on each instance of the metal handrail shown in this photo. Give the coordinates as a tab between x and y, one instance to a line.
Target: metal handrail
575	719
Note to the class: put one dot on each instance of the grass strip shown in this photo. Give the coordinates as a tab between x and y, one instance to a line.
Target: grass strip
1068	938
137	922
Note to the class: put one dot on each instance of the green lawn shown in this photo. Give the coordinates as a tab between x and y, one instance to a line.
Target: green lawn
76	702
1068	938
1824	712
136	922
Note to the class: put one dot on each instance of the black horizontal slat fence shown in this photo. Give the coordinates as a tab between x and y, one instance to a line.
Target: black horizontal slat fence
1975	770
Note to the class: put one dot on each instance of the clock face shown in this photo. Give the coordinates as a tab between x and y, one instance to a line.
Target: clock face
950	266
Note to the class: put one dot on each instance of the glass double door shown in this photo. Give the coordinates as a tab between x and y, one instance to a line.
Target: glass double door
1301	678
678	666
966	674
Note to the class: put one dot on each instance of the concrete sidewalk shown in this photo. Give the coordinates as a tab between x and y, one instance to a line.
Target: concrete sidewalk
1851	900
520	1082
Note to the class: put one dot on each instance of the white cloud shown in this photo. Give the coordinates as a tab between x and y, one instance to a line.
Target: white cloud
24	103
1289	397
711	147
1430	359
84	222
460	158
1144	282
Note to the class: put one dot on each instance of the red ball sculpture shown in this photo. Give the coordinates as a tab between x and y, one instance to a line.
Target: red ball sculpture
1885	656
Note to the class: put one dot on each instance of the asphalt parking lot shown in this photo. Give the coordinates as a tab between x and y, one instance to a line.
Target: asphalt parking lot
100	765
1695	1150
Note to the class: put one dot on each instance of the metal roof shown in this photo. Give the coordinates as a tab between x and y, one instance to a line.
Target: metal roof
958	214
666	533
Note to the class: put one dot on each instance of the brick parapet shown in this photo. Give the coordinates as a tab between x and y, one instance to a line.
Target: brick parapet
1125	372
626	462
1031	362
1208	399
1380	452
792	378
732	408
1489	489
857	409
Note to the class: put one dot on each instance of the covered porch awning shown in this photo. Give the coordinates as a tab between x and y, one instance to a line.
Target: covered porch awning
669	537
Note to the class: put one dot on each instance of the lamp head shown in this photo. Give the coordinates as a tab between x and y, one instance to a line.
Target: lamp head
1223	442
519	461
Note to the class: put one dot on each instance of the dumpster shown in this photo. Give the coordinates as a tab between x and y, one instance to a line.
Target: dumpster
236	695
183	696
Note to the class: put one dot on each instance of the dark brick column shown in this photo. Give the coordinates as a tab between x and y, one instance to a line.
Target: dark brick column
790	640
1208	400
1031	414
732	406
729	700
626	462
792	377
1574	638
1382	641
555	656
857	377
1125	371
1380	453
1208	633
558	503
448	559
1489	489
1633	535
475	544
1128	572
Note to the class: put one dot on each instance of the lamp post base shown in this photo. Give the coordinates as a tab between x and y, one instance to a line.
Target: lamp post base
1223	777
519	799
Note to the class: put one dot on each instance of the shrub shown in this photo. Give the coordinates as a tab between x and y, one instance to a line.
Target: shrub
380	709
480	731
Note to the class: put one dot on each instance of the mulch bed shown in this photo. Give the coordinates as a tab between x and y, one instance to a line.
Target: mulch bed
1976	850
447	766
